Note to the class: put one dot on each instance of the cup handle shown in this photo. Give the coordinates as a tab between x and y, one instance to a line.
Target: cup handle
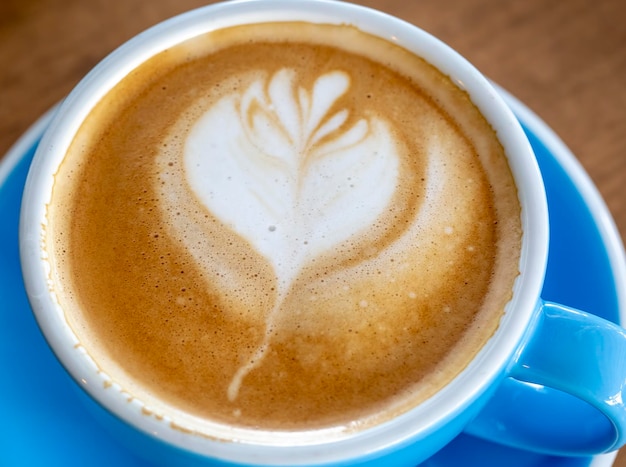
564	394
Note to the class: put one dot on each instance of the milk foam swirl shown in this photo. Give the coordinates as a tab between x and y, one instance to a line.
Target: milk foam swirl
285	172
290	172
281	167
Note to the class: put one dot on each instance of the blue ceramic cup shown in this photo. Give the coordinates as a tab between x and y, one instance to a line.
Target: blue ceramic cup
578	358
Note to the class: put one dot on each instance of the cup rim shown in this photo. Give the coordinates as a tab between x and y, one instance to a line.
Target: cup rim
485	368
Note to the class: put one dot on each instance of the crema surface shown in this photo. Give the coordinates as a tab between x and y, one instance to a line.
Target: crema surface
284	226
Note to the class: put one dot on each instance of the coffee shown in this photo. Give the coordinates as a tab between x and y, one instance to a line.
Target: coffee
284	226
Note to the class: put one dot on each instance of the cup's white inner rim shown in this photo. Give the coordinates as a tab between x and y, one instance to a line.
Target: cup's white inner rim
487	366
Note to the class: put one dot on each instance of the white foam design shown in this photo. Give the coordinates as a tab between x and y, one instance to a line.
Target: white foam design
291	173
288	174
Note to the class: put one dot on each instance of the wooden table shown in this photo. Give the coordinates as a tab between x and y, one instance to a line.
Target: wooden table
565	59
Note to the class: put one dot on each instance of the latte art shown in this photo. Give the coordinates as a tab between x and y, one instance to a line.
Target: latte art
281	168
286	174
284	226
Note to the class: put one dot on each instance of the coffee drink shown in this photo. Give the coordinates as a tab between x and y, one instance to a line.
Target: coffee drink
284	226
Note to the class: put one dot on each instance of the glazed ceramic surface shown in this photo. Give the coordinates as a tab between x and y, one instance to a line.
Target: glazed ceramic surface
48	420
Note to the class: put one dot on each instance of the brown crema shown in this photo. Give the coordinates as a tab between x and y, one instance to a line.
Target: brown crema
376	323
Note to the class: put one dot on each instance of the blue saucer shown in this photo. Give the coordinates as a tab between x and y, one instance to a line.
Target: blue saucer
46	423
